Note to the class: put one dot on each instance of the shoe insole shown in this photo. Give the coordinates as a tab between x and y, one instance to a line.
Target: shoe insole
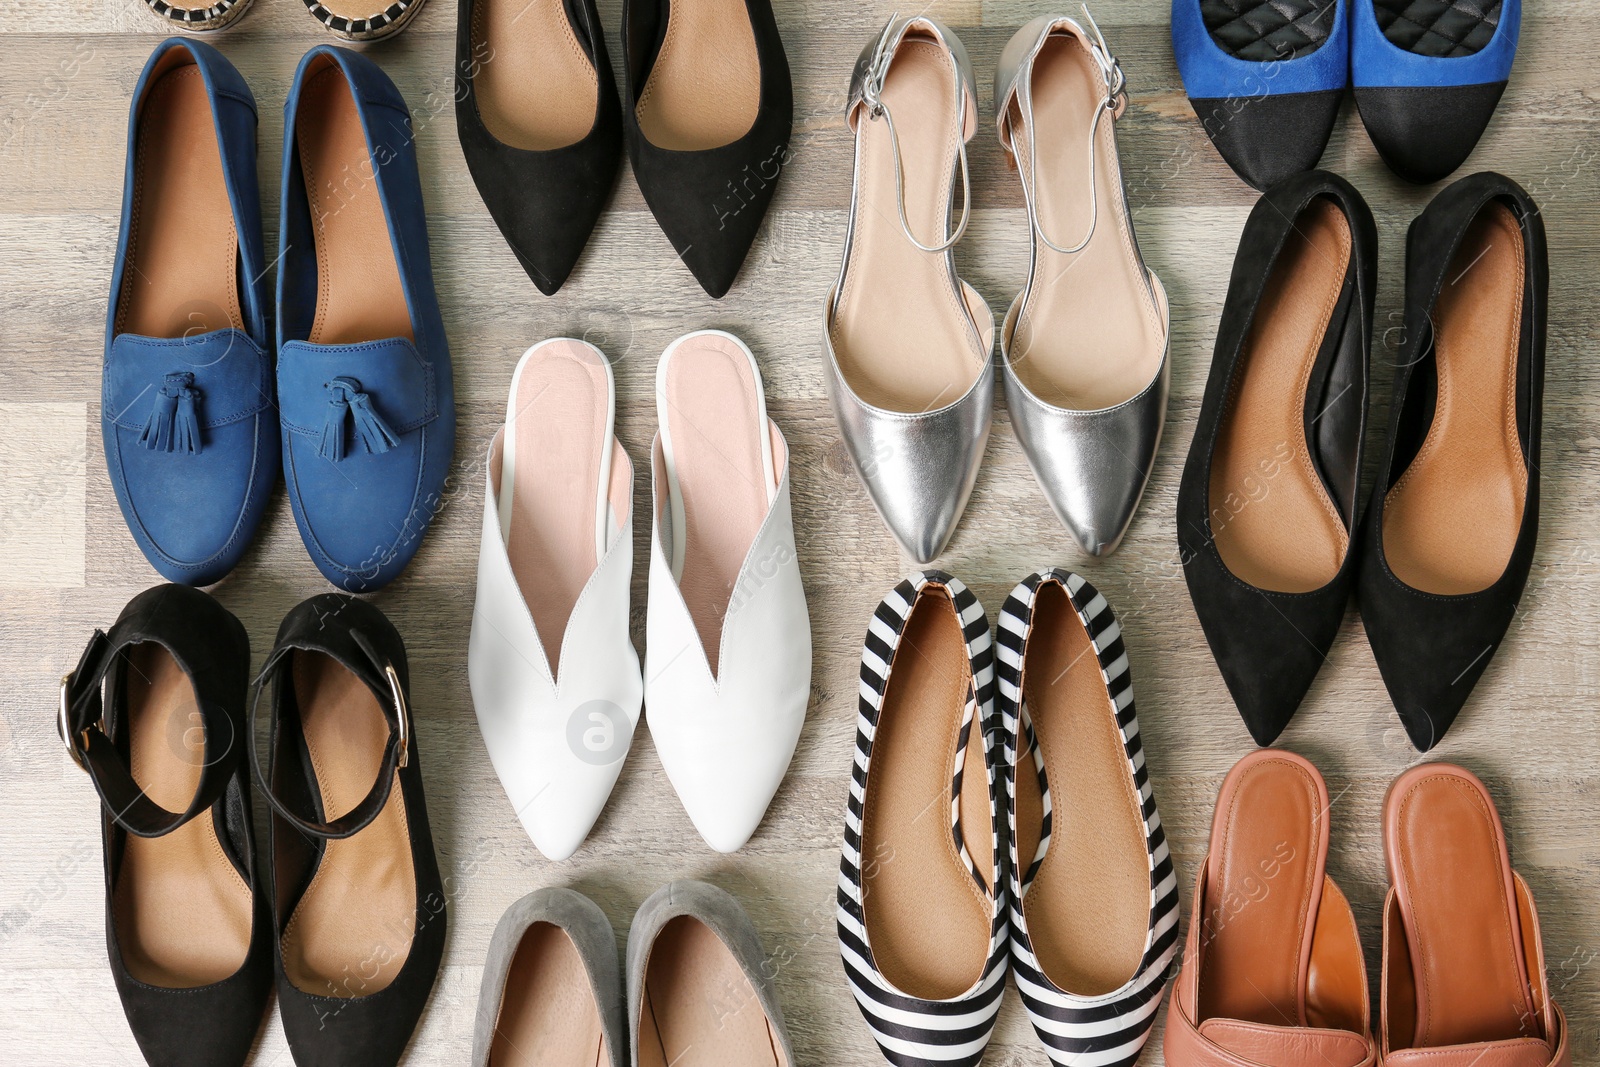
1451	522
1091	334
534	84
705	87
1264	877
359	295
910	865
902	334
1274	523
699	1009
1447	859
351	931
181	276
557	428
722	458
548	1016
183	911
1088	906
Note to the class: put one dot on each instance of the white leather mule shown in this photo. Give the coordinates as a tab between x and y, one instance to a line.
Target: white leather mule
555	678
728	638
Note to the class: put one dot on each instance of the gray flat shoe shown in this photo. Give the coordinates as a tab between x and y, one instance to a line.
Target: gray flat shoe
552	990
698	995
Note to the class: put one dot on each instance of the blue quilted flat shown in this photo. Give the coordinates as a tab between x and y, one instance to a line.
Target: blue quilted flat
191	442
364	380
1428	75
1265	78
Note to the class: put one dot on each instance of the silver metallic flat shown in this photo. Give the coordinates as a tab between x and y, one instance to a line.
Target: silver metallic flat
1084	346
550	949
909	344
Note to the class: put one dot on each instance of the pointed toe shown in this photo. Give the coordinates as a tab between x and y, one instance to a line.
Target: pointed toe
1424	133
1266	139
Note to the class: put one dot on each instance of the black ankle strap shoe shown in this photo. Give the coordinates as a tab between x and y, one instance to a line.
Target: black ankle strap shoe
361	912
154	713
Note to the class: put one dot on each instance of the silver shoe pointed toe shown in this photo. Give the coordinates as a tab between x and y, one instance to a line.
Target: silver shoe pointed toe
1084	348
908	344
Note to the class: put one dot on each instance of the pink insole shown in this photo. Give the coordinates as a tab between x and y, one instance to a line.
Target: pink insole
556	439
715	420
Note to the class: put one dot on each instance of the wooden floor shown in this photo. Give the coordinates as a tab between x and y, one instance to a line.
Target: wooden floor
67	563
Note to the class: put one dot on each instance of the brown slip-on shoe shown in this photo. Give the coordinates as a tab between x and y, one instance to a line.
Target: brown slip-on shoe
1463	965
1272	970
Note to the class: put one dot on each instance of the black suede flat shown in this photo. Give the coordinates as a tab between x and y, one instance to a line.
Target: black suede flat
538	117
1267	504
708	107
1449	536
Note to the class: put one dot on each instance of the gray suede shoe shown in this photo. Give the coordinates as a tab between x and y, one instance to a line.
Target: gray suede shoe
552	991
698	993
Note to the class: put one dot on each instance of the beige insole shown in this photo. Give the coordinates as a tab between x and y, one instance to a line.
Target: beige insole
183	912
1260	875
1451	522
699	1008
1091	334
182	267
558	422
548	1016
705	88
1274	524
1457	905
1088	908
713	416
909	864
534	84
902	335
359	296
351	931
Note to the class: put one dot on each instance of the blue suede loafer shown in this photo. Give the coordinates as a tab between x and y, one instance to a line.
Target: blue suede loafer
1265	77
1428	74
190	441
364	386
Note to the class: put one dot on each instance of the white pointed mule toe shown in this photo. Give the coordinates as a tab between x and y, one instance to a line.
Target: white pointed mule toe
728	638
555	678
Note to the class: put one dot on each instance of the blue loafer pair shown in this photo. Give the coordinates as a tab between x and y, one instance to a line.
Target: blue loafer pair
359	412
1266	77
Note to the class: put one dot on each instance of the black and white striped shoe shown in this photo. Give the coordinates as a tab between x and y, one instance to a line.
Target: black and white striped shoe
1093	896
201	19
922	899
363	20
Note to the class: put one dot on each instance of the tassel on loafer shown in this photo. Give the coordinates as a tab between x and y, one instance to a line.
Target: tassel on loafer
1450	531
154	713
191	440
1267	503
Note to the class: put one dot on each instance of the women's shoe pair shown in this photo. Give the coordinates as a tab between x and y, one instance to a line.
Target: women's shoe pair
358	407
698	990
555	679
908	343
344	906
353	20
706	110
1266	78
1273	969
1268	526
1001	817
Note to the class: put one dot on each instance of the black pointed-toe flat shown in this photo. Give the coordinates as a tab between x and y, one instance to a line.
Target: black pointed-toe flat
154	713
1428	75
540	125
1450	532
360	916
1267	504
707	106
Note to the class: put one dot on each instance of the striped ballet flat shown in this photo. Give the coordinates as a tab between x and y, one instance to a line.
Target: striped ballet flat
1093	896
198	19
363	20
922	901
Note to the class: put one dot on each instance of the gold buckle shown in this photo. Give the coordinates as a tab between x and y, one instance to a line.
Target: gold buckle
400	715
64	723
